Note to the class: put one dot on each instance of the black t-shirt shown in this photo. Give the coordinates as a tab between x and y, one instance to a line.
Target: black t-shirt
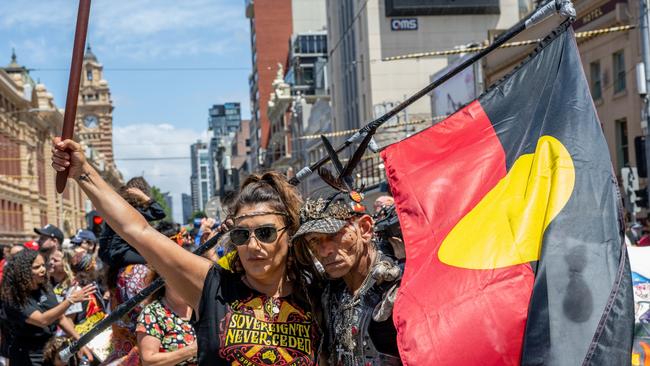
240	326
27	336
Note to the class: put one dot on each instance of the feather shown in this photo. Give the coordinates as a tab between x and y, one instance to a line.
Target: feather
330	179
356	157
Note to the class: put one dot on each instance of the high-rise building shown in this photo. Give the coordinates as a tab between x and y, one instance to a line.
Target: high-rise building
224	122
362	34
271	27
200	178
170	203
186	203
297	87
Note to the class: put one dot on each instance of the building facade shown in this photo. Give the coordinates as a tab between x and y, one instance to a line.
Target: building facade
610	62
29	120
200	177
363	86
94	122
271	28
224	122
186	203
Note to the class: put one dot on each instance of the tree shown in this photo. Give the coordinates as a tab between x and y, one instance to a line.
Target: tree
195	215
157	195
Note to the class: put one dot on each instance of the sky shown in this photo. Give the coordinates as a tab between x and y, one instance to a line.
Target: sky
166	62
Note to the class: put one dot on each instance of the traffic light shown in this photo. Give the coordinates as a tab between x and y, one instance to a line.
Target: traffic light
95	222
641	197
639	149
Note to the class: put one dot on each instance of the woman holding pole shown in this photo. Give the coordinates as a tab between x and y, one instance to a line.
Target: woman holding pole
259	314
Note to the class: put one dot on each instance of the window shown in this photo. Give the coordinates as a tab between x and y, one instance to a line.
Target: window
596	83
622	147
618	59
204	172
89	75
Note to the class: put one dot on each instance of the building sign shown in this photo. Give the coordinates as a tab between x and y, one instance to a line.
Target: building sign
440	7
401	24
590	16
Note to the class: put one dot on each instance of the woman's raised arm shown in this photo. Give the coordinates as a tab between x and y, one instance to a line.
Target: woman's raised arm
181	269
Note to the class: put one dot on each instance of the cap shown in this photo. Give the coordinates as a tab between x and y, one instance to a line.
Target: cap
82	235
329	215
31	245
51	231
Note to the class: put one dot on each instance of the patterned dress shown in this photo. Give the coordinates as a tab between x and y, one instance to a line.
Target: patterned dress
130	281
174	333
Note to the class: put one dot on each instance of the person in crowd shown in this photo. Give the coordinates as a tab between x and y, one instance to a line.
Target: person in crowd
50	238
30	309
270	291
336	235
51	351
383	202
164	333
60	274
127	270
113	249
85	241
87	313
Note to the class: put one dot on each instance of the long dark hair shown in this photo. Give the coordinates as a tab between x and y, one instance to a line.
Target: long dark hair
17	278
274	190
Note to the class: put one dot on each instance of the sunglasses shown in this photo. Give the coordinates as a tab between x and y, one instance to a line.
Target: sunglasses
266	234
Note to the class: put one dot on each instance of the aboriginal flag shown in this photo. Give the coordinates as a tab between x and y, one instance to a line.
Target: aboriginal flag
510	215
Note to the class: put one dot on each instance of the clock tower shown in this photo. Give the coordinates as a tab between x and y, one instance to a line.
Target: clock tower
94	123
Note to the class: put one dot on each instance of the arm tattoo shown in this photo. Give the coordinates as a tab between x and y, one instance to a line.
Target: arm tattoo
85	177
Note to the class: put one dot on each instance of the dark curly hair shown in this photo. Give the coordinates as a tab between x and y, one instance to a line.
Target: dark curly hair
17	278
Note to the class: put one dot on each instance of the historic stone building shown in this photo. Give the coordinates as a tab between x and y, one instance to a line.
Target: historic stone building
94	124
29	119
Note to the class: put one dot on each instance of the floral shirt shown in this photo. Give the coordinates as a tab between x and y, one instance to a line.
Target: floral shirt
174	333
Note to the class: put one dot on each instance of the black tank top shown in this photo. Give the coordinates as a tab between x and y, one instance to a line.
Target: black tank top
238	325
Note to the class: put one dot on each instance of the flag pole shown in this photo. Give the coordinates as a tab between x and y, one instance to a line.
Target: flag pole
73	83
563	7
127	306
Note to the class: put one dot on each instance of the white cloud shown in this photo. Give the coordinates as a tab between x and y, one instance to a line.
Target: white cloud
139	30
33	14
157	141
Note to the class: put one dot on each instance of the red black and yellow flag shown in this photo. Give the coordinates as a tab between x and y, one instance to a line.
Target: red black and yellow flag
510	217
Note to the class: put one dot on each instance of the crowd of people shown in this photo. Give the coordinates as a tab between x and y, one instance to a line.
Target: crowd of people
292	281
54	289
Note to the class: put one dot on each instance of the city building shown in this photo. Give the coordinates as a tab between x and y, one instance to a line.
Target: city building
298	85
270	30
224	122
170	203
186	203
29	120
200	178
610	62
240	151
94	122
364	86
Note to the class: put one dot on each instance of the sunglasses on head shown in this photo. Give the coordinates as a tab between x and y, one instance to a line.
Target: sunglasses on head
266	234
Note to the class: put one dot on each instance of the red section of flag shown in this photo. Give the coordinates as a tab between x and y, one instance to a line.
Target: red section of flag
447	315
